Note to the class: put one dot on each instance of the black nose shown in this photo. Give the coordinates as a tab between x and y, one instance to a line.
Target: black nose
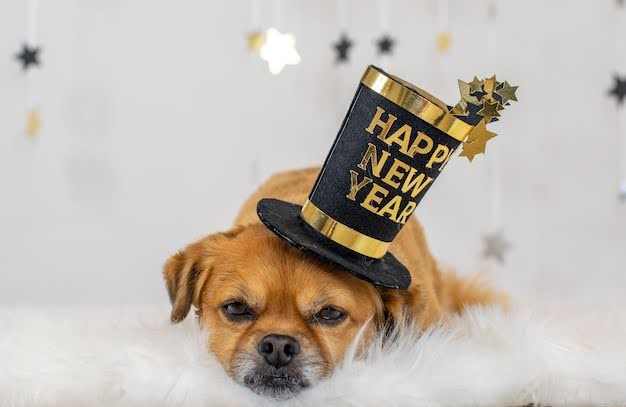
278	350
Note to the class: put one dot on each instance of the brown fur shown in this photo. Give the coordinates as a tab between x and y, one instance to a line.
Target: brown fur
286	287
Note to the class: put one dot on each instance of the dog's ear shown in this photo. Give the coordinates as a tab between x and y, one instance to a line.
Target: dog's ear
181	273
187	271
419	305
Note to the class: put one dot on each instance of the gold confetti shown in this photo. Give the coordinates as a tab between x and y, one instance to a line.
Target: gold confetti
469	150
476	85
444	40
479	95
480	135
489	85
33	123
490	110
507	93
464	87
476	142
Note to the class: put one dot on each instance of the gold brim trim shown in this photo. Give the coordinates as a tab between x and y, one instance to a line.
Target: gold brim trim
418	102
342	234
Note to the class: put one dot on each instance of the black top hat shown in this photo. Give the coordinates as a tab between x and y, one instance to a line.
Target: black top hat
392	145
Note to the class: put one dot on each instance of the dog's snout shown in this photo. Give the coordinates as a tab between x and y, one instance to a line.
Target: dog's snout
278	350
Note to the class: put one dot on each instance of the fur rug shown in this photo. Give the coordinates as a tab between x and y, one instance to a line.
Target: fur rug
133	357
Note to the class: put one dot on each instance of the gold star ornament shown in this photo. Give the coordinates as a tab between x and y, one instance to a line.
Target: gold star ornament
490	110
279	50
256	39
507	93
476	85
33	123
489	85
481	102
476	141
444	41
466	93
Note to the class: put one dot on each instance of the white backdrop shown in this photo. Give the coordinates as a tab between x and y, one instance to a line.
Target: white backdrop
157	122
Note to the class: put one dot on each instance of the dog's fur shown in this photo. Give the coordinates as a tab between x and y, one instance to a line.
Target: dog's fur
285	290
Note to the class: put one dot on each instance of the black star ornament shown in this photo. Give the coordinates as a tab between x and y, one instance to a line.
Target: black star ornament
28	56
342	47
385	44
619	89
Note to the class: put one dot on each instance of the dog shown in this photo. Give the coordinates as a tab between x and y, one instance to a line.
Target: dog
281	320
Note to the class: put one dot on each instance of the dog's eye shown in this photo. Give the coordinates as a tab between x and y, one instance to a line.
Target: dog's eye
237	311
329	315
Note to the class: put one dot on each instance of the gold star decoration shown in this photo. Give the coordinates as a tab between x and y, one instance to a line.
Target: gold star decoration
489	85
478	105
466	95
490	110
476	85
507	93
470	150
33	123
476	141
255	41
480	134
279	50
444	40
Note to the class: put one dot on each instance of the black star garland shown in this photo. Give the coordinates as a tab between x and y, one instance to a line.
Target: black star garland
385	44
342	47
619	89
28	56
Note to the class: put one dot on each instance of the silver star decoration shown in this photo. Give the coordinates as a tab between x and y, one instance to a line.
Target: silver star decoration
622	192
496	246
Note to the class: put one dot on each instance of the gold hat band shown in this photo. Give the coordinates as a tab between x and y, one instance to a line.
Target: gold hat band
342	234
416	101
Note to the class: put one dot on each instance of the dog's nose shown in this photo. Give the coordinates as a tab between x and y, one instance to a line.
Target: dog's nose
278	350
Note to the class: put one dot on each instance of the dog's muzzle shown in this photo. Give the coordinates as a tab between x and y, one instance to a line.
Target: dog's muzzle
279	383
278	369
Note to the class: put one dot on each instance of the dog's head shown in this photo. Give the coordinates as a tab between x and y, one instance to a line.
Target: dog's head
279	320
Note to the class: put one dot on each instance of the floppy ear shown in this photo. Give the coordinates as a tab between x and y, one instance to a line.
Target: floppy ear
419	305
181	273
186	272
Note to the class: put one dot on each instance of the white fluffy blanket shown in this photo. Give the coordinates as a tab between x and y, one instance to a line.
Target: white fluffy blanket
135	357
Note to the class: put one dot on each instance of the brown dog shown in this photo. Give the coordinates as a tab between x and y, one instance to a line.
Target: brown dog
281	320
